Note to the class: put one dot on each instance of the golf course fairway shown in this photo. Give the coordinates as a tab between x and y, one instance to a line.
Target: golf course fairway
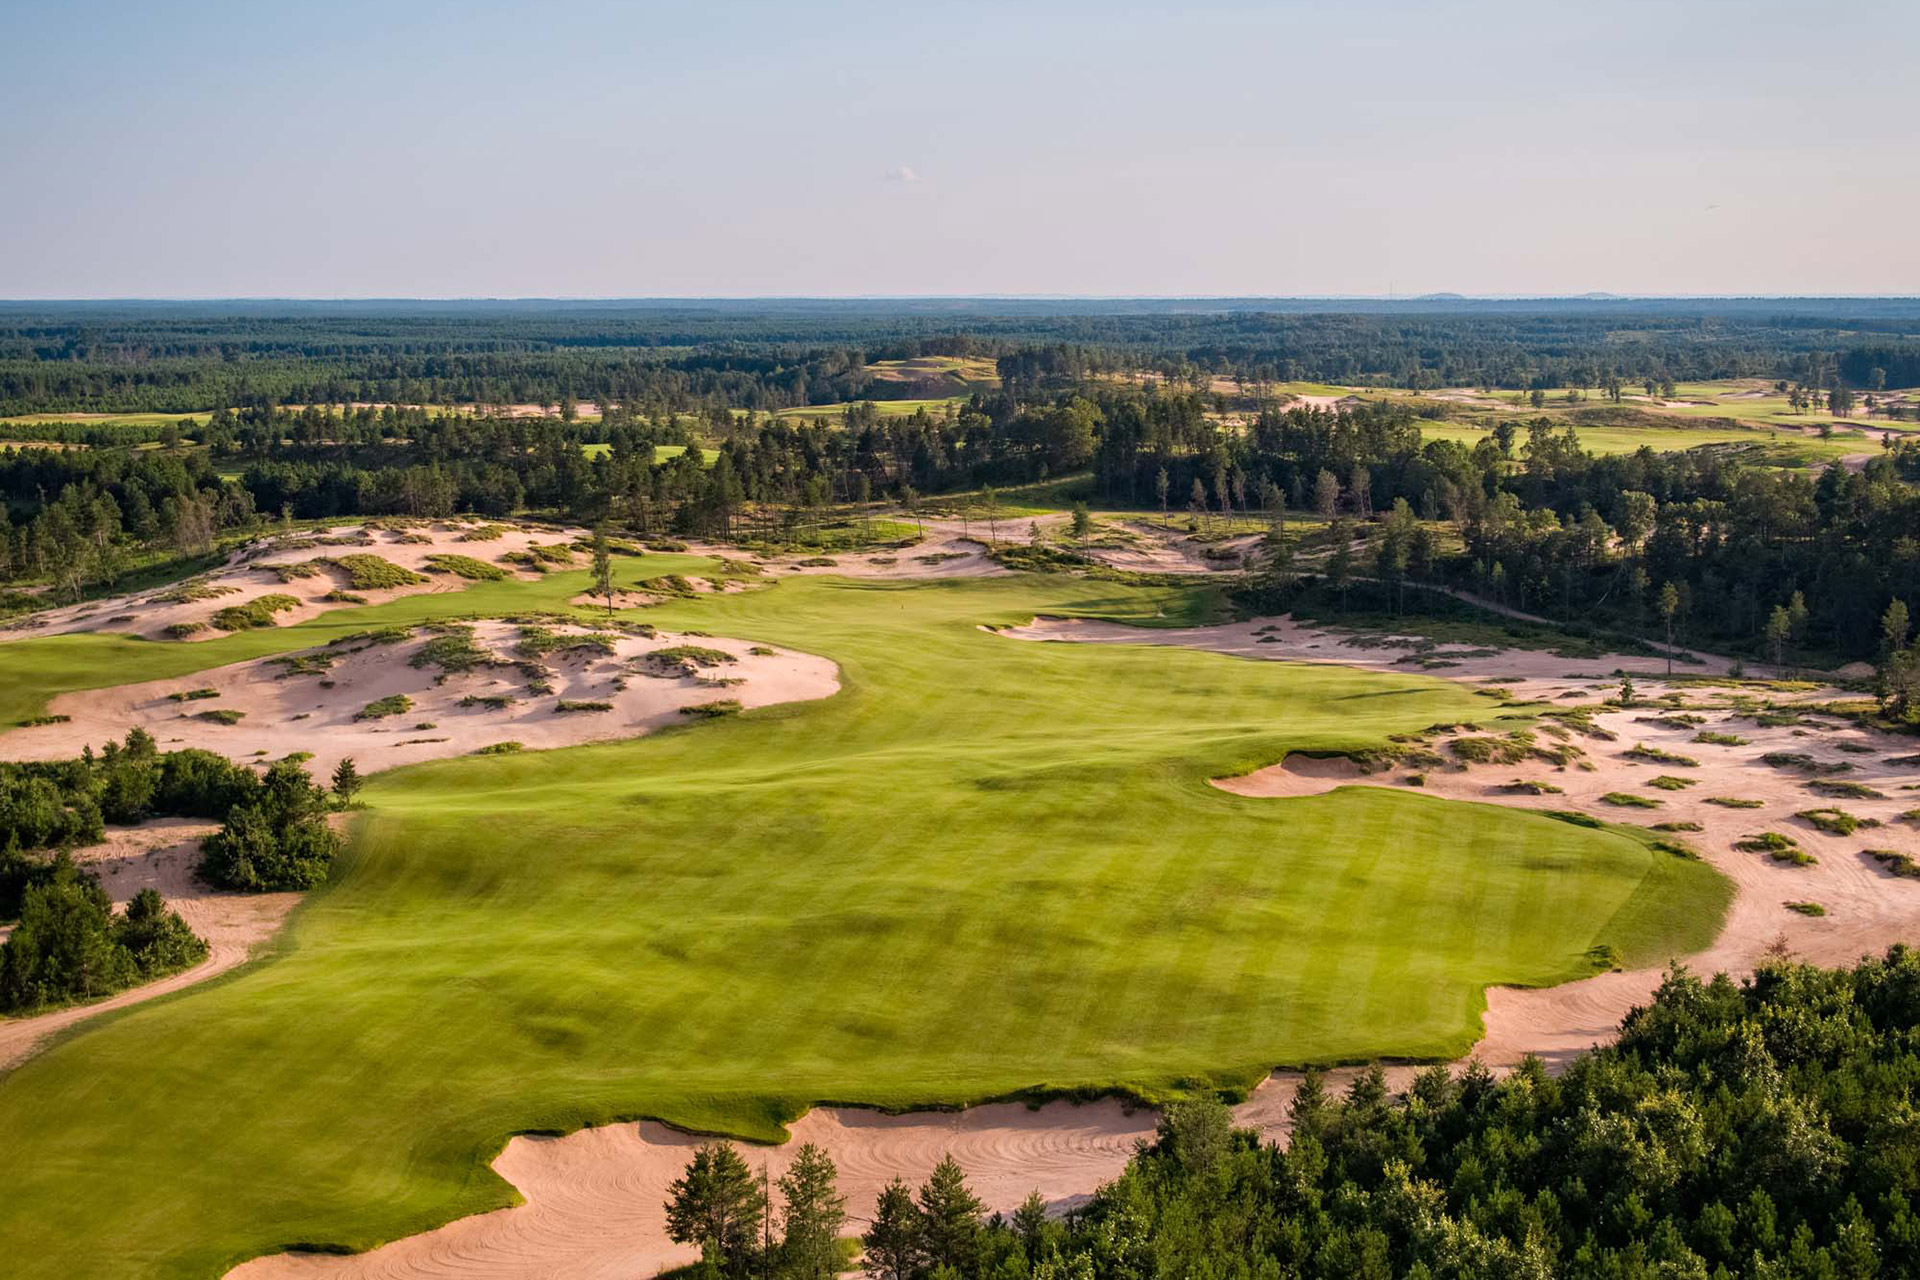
984	867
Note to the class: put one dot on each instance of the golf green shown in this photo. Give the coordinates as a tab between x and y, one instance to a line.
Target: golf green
987	866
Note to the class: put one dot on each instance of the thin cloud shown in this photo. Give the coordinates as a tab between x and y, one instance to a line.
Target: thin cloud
903	173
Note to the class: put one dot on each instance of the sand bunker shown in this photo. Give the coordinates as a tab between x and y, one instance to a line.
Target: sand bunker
385	701
302	567
595	1199
160	855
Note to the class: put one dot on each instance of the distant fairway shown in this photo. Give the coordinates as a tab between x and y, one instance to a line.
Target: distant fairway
986	866
1784	448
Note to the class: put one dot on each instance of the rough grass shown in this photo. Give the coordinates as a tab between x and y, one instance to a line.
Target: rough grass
466	567
257	612
368	572
702	926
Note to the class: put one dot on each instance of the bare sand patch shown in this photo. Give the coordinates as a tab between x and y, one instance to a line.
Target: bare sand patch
595	1199
318	700
161	855
1297	775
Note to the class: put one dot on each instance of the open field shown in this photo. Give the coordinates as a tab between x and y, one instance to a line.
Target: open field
832	413
1768	447
965	372
886	897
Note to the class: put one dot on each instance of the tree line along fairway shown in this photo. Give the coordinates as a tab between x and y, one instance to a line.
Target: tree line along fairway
985	867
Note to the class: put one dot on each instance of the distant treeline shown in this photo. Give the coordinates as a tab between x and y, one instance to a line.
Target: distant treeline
692	358
1542	524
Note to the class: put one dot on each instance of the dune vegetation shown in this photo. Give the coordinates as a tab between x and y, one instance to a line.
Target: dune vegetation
985	868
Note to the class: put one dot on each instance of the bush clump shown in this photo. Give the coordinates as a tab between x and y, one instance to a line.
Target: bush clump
1713	738
1778	847
499	749
1628	800
452	650
465	567
221	715
392	705
565	705
279	839
1844	790
193	695
1895	862
713	710
69	945
688	657
46	804
1836	822
1805	763
1654	755
368	572
257	612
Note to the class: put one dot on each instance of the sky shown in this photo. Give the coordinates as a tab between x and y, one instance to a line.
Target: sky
586	148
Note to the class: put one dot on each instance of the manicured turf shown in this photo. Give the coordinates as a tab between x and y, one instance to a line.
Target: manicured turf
986	866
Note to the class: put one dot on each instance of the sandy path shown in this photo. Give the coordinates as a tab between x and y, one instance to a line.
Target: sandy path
321	712
160	855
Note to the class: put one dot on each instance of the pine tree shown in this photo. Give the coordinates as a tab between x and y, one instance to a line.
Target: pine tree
346	780
950	1227
603	566
717	1205
813	1213
1669	608
893	1241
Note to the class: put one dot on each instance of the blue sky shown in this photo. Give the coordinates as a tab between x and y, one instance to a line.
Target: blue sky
603	149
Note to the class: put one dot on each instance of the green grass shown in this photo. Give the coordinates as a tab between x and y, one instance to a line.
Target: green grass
1782	447
661	452
832	414
985	867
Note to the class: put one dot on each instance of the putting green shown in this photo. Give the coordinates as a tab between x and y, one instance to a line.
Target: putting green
987	866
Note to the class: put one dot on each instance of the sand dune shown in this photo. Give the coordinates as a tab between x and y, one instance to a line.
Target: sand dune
454	713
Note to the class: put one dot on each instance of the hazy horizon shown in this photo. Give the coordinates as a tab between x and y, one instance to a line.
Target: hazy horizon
600	151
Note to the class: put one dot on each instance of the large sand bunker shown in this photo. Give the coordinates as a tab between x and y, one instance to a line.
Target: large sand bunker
382	699
308	569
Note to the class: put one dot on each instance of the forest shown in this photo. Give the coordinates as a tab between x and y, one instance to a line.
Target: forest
1758	1129
1527	520
692	357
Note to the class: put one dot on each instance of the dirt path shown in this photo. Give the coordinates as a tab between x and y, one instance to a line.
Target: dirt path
160	855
